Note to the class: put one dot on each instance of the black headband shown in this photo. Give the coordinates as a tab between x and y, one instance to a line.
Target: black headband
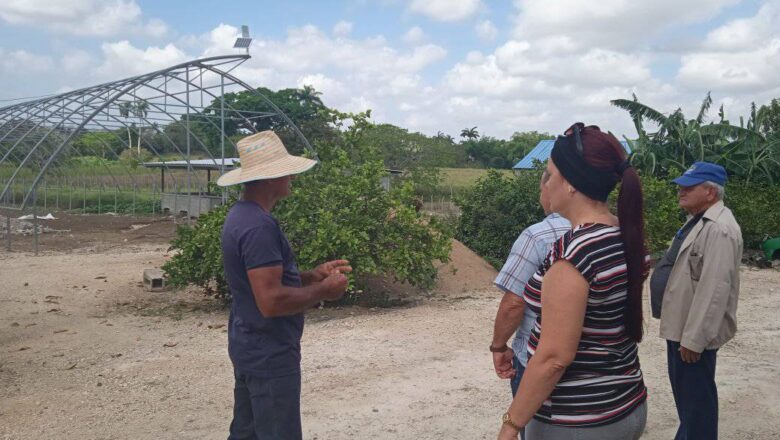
587	179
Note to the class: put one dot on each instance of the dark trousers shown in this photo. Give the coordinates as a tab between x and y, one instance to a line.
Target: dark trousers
514	383
266	408
695	394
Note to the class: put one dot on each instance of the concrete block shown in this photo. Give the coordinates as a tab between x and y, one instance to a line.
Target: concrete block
154	280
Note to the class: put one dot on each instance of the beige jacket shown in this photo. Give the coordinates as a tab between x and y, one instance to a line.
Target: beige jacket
700	302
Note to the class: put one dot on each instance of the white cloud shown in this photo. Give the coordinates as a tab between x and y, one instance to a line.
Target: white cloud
218	41
613	24
482	78
327	86
747	71
155	28
22	62
564	62
746	33
740	57
82	17
353	74
307	49
445	10
414	35
77	62
486	30
122	59
342	28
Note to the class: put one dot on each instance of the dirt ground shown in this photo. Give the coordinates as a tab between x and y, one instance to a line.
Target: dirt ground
87	353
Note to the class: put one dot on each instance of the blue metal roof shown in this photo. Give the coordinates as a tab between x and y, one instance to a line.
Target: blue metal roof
541	152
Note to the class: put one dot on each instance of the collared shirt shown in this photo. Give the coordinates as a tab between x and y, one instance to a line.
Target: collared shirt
527	254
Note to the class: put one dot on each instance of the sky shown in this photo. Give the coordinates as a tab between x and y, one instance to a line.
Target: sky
425	65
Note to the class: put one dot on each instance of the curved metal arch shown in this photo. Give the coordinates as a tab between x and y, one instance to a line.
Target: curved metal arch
134	81
83	108
35	147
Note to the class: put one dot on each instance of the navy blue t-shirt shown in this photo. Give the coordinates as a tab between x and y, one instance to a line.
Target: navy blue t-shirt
259	346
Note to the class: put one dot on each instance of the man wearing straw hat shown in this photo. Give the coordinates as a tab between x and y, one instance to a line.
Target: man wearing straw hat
269	294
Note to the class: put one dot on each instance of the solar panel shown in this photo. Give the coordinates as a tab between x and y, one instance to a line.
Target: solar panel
245	31
242	43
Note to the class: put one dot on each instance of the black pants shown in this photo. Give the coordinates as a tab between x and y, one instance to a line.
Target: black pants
266	408
695	394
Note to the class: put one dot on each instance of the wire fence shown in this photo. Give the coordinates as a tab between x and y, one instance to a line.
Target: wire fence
440	205
86	195
91	195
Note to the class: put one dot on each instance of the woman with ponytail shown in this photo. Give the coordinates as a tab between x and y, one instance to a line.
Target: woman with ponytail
583	378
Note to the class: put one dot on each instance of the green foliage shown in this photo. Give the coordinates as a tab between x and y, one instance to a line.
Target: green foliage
748	151
521	143
303	106
198	260
499	153
663	216
122	206
337	210
488	151
105	144
131	158
495	210
470	133
85	161
770	117
755	207
402	150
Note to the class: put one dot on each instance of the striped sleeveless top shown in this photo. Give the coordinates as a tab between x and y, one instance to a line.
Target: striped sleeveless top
604	383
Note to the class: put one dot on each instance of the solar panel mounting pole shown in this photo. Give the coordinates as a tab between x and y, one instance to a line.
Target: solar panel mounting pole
189	176
7	228
222	128
35	220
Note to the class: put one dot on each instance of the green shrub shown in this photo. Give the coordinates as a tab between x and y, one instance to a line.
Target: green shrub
198	260
755	206
495	210
498	207
131	158
337	210
757	210
662	215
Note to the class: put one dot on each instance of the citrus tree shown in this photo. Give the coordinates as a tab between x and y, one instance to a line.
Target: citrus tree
337	210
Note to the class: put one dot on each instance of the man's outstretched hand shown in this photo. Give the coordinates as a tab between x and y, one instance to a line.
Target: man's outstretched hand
324	270
334	286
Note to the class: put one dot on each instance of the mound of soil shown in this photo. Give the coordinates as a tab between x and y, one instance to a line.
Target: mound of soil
465	272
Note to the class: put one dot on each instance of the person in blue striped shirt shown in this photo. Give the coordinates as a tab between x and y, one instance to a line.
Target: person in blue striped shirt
527	254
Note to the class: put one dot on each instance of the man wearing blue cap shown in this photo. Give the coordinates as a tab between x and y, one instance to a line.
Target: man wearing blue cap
694	290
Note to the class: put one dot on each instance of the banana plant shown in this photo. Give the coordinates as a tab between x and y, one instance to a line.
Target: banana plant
744	150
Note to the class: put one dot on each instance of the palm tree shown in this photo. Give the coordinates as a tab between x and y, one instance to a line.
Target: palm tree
470	133
140	110
308	95
445	136
125	109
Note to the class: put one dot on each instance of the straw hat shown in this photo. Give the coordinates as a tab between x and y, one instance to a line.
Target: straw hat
263	156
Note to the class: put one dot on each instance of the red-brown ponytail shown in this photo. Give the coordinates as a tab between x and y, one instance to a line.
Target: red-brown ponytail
603	151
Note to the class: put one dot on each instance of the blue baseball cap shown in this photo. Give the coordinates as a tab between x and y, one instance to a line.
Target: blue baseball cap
701	172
